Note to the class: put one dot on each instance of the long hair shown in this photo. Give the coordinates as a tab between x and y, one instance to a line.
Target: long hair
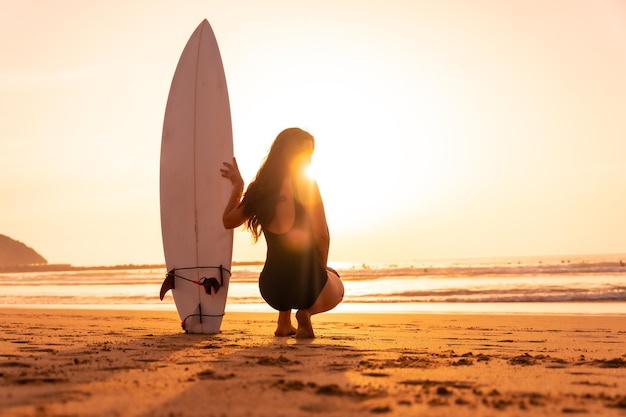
260	199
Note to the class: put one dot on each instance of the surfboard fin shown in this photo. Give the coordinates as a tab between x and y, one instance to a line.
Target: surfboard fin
168	284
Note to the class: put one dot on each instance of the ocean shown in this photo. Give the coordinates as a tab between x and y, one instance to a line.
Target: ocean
594	284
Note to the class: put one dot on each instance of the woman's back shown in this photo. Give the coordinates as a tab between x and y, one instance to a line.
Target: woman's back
284	211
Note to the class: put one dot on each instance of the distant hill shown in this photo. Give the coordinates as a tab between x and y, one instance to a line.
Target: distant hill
14	253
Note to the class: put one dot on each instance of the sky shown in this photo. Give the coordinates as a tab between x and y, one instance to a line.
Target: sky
444	129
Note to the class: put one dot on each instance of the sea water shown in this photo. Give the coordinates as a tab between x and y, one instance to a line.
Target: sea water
560	285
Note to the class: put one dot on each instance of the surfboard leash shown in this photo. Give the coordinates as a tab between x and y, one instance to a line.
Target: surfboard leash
183	324
211	285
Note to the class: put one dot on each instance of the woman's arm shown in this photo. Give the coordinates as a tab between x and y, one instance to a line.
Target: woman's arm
233	213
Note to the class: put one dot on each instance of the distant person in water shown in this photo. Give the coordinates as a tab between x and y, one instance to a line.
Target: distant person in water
285	205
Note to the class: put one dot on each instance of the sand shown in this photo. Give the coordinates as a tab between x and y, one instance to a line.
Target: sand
139	363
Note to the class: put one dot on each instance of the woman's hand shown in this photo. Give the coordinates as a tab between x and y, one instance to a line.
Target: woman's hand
233	213
231	172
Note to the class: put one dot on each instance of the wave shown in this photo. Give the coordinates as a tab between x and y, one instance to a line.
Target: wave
489	282
607	294
486	271
369	273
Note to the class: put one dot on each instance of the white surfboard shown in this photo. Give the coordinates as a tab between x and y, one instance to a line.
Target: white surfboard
197	139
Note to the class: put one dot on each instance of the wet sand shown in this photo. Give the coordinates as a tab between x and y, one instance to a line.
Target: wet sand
139	363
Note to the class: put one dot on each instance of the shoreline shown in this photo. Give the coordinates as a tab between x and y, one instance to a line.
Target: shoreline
137	363
609	309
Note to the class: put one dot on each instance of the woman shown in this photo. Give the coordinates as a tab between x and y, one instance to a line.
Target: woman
285	205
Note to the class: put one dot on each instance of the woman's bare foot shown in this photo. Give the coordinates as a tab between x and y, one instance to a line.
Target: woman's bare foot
305	328
285	331
284	327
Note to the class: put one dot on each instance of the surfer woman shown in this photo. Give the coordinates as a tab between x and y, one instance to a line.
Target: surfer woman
285	205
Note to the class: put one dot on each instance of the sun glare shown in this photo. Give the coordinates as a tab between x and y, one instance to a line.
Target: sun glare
310	171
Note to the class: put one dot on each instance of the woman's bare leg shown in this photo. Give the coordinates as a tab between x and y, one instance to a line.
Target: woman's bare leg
331	295
284	326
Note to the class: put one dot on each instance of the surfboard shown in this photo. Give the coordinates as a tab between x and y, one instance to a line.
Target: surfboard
197	138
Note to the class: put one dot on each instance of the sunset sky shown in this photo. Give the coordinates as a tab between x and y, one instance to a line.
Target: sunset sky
444	129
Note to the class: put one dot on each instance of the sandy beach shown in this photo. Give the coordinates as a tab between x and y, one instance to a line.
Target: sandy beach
138	363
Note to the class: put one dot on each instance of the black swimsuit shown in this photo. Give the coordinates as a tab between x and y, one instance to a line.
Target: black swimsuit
293	275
